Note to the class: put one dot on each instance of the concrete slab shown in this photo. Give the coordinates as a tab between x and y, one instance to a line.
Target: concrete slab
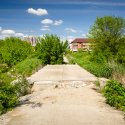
52	73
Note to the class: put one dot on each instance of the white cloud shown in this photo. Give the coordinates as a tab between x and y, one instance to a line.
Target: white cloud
51	22
19	34
47	21
58	22
45	29
8	32
38	12
71	30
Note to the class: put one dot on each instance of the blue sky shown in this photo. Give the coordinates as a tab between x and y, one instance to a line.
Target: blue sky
66	18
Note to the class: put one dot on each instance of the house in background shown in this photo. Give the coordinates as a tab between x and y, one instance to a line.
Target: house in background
80	43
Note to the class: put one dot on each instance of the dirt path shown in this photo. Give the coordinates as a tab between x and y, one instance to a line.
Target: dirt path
63	105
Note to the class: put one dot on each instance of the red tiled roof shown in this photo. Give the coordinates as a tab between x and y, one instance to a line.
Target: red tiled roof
80	40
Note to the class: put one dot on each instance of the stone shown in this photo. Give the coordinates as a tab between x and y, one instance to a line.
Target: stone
102	82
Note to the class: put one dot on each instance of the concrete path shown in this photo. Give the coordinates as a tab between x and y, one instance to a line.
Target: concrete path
62	73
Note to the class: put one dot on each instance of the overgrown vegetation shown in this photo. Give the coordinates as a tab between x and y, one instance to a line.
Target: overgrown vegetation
115	94
50	49
26	67
10	92
14	50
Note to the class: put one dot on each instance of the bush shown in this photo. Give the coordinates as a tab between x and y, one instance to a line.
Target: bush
27	66
50	49
10	93
115	94
8	97
14	50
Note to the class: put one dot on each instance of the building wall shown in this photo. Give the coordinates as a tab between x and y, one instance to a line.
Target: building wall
76	46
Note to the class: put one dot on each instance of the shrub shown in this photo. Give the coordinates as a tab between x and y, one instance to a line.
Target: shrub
8	97
10	93
115	94
14	50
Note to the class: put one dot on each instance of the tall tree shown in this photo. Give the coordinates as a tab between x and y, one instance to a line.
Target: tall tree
50	49
108	34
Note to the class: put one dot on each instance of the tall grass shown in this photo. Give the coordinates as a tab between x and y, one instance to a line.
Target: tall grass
118	72
27	66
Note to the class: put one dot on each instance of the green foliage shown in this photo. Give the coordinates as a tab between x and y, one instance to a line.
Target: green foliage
11	91
99	70
3	68
8	97
108	35
6	78
14	50
65	46
26	67
1	43
50	49
115	94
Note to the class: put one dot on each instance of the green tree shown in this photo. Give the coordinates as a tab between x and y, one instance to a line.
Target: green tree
14	50
108	34
50	49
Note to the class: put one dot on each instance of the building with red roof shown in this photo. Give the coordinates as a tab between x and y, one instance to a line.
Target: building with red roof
80	43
